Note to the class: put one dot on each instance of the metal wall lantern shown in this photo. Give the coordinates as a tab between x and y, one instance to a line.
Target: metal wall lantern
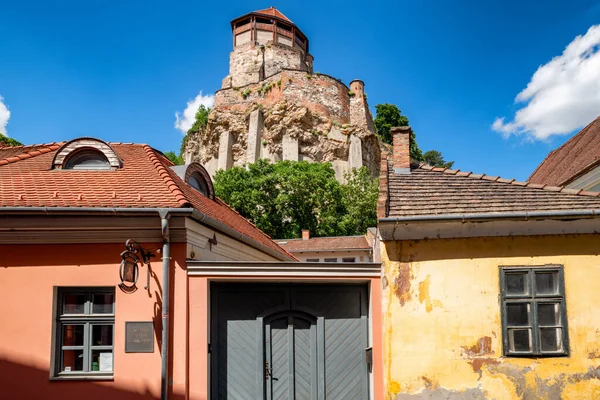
133	257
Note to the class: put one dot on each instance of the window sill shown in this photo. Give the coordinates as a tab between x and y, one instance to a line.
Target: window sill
541	356
83	377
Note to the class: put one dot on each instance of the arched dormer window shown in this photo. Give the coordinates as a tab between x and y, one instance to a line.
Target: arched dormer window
86	154
87	159
197	177
197	182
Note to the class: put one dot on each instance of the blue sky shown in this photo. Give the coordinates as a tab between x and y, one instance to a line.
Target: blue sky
120	70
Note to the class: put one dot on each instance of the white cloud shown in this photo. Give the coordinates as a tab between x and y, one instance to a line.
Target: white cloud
562	95
4	116
185	120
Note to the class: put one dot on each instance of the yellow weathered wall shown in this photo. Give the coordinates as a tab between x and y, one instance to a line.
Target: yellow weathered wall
442	326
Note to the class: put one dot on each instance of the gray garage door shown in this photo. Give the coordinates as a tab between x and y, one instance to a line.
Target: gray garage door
288	341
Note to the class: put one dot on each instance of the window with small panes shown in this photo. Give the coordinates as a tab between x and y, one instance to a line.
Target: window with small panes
534	318
84	332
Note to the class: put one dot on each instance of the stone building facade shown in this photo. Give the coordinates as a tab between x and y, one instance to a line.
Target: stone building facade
272	105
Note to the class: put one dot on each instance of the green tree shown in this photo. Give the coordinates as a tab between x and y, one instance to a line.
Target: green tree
200	122
174	158
388	116
359	198
435	159
201	119
6	141
283	198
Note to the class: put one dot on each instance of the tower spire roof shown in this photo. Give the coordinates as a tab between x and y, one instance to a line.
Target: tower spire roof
273	12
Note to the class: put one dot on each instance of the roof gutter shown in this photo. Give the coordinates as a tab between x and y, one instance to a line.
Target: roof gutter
191	212
95	210
482	217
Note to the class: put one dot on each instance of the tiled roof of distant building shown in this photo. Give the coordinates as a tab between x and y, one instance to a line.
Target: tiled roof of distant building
335	243
577	156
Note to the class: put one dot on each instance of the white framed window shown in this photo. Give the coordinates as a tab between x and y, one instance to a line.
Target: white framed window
84	333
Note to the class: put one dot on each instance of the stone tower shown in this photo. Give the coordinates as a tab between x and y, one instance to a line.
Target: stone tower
264	43
271	105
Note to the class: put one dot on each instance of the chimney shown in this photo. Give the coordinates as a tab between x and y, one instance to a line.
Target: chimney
401	156
305	234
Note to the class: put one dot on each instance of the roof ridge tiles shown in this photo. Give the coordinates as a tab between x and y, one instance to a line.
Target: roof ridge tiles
22	156
162	171
508	181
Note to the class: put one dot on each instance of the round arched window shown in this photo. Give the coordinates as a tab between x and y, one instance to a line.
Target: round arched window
197	182
87	159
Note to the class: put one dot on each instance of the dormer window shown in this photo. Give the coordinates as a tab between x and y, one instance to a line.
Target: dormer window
197	177
87	159
197	182
86	154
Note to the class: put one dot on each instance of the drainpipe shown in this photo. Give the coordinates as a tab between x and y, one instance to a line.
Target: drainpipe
166	252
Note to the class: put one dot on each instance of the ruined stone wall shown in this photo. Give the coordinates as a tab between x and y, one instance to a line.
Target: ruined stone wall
272	106
245	66
442	319
279	57
250	63
290	115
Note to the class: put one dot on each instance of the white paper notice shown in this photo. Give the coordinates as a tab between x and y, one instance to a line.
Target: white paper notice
106	362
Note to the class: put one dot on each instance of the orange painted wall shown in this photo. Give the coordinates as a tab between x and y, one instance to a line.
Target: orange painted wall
28	275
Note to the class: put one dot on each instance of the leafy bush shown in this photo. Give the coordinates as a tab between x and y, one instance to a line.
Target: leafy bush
285	197
6	141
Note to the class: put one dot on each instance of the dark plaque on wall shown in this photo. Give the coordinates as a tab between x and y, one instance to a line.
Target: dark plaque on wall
139	337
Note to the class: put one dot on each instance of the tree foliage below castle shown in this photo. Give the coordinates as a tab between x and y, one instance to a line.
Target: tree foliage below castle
6	141
174	158
389	116
283	198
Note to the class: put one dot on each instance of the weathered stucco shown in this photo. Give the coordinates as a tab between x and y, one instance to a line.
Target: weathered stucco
442	321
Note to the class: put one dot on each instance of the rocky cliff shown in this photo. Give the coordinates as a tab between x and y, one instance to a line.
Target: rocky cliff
290	115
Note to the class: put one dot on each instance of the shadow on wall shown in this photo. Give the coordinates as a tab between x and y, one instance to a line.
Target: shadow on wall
489	247
19	381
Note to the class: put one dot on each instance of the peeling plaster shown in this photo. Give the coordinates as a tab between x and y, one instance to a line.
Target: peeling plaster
402	283
437	394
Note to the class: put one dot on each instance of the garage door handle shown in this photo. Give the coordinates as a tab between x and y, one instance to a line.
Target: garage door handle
269	372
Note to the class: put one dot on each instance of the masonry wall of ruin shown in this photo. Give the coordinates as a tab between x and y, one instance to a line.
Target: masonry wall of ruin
272	106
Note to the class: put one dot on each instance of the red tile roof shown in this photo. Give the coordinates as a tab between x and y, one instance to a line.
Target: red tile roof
571	160
436	191
145	181
336	243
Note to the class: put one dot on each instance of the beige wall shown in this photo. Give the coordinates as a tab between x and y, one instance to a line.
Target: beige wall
442	319
226	249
